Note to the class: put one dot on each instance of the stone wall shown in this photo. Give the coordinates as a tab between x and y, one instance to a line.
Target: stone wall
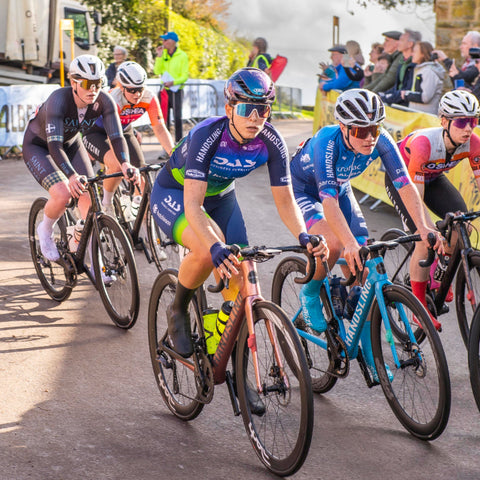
454	19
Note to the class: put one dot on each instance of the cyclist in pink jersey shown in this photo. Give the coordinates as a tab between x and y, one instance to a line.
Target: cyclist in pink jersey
429	153
132	100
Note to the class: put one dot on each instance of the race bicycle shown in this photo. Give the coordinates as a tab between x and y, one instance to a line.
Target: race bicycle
464	262
113	270
414	376
268	360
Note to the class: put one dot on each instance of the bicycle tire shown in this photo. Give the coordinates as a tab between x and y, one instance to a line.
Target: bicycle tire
175	381
285	293
401	276
121	297
165	252
51	274
420	397
281	436
463	306
474	357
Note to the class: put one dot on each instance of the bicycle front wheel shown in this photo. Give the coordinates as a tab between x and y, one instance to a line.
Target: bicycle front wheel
175	380
281	431
397	260
474	356
115	272
464	298
417	383
285	293
51	274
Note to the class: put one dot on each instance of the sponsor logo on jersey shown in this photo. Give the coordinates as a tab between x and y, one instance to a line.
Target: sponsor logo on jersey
192	173
50	128
440	165
172	203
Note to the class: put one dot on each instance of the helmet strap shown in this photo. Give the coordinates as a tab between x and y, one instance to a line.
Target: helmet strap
244	140
347	139
447	132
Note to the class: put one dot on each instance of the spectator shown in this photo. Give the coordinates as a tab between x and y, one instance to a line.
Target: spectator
387	80
341	80
353	61
172	65
404	77
119	56
375	52
428	78
468	71
259	58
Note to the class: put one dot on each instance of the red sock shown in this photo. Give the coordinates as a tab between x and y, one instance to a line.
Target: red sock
419	289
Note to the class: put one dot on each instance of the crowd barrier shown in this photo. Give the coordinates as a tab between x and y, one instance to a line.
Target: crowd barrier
399	123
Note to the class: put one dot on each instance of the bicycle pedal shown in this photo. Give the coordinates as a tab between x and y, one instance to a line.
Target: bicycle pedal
445	309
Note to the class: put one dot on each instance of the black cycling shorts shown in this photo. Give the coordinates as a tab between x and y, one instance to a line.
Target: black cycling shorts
440	196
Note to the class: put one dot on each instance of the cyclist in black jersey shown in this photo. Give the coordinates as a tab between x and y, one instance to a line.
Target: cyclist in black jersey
194	201
53	150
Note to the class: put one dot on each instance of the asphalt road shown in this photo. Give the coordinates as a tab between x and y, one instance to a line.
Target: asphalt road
79	400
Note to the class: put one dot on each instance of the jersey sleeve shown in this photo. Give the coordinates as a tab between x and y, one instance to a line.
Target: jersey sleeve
392	160
54	113
113	127
475	155
420	149
278	159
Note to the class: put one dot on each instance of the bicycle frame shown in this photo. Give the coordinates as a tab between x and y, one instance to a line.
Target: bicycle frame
376	279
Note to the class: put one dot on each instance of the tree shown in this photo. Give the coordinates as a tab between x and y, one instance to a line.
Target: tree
388	4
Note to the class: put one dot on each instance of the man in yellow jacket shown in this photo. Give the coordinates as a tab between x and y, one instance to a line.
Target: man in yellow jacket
171	65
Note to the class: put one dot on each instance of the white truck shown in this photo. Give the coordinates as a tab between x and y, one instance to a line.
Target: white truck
29	38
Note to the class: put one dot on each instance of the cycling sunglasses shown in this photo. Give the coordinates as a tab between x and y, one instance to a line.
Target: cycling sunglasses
363	132
87	84
134	89
246	109
462	122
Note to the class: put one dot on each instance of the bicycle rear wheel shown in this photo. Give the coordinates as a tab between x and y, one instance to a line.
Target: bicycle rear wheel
474	356
285	293
52	275
419	393
465	310
115	272
281	435
165	252
175	380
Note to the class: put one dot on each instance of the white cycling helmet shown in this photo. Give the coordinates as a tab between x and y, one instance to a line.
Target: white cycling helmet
458	103
87	67
131	75
359	107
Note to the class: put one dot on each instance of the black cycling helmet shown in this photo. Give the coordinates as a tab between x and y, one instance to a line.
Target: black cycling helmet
249	85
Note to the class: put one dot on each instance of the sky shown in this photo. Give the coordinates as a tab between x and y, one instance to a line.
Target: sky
302	31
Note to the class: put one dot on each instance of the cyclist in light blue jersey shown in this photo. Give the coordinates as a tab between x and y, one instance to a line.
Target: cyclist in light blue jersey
321	171
193	200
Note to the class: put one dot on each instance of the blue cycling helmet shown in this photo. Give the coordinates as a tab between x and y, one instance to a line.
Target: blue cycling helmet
250	85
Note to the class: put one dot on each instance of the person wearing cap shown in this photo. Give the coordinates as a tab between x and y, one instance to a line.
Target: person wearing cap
341	81
173	61
259	58
390	46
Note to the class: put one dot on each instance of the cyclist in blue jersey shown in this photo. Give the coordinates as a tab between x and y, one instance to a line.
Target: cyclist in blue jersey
193	200
321	171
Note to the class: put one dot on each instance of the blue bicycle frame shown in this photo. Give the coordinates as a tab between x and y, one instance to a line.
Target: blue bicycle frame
376	279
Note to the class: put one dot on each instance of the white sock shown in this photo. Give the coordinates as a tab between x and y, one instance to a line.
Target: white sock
49	222
107	197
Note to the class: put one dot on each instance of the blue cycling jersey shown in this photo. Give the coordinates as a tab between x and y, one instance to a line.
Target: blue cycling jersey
324	163
210	153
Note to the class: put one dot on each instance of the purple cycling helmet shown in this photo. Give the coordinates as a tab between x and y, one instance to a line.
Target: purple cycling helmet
250	85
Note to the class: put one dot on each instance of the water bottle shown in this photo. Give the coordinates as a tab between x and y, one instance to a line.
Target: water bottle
210	325
339	295
135	205
222	319
351	302
74	234
441	268
125	202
